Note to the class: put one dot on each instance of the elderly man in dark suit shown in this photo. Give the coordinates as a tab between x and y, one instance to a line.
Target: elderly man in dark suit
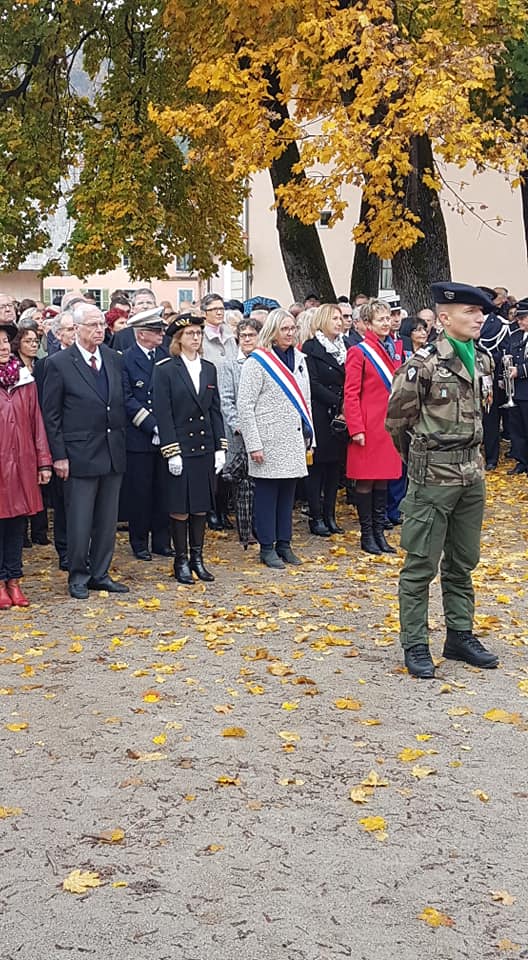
85	420
144	487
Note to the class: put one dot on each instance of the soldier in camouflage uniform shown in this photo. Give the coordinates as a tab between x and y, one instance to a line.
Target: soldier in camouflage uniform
435	420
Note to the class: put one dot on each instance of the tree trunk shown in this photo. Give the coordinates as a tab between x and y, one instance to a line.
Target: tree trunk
524	200
300	244
428	260
365	268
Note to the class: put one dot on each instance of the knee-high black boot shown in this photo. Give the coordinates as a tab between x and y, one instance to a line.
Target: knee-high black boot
364	508
379	504
182	570
196	540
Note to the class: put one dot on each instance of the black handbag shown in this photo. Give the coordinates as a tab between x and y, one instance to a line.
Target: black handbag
338	426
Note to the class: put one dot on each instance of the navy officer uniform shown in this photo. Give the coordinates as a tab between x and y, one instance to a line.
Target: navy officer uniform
193	443
518	415
144	497
493	340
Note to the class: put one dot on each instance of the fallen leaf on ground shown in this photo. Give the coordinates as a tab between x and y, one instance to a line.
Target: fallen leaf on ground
408	754
223	708
375	825
9	812
290	782
434	918
120	883
225	781
361	794
458	711
146	757
502	716
502	896
112	836
423	737
233	732
374	780
151	696
288	705
79	881
480	795
16	727
421	772
75	647
280	670
346	703
160	739
289	736
508	944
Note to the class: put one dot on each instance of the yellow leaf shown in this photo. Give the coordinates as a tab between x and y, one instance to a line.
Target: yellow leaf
434	918
79	881
371	722
502	896
151	696
287	705
423	737
373	780
6	691
120	665
503	598
16	727
9	812
508	944
189	797
214	848
375	825
501	716
346	703
458	711
255	688
112	836
152	604
160	739
480	795
408	754
361	794
223	708
280	669
421	772
289	736
523	686
228	781
174	647
291	782
233	732
120	883
75	647
445	688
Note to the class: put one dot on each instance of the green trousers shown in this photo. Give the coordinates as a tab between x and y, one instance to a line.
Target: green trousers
439	519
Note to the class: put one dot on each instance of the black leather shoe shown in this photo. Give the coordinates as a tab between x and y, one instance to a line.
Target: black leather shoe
226	522
285	552
106	583
418	662
518	468
319	528
490	466
334	527
388	524
164	552
214	522
78	591
142	555
271	559
464	645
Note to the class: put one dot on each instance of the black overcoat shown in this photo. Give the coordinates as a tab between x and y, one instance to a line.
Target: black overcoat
327	381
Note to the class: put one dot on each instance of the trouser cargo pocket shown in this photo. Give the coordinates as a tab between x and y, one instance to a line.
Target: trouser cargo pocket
417	526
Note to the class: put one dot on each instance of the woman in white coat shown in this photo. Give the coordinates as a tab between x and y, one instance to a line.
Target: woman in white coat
275	421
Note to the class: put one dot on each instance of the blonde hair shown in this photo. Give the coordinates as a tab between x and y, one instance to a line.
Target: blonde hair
323	316
305	324
269	331
368	311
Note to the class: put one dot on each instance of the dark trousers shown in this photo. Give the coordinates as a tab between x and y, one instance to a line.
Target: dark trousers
91	519
11	540
491	427
144	497
56	489
395	494
323	482
518	423
272	510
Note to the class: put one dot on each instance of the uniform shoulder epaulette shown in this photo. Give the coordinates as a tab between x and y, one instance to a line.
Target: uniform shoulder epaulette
159	362
424	352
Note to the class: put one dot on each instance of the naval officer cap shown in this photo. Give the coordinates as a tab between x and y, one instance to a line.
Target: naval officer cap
184	320
150	319
448	292
521	307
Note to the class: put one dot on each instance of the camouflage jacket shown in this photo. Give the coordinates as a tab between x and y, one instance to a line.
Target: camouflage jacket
435	414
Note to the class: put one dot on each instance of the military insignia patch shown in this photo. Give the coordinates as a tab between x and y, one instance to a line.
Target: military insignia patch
411	373
449	294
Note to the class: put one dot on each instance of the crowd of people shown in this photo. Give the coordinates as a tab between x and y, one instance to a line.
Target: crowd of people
169	422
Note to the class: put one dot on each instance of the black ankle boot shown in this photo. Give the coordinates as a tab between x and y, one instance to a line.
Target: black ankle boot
379	504
182	570
330	522
196	540
464	645
364	509
318	527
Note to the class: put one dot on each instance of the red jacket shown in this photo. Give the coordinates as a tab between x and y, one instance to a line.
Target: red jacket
365	409
23	448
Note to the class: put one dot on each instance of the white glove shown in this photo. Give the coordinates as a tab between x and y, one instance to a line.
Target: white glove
175	465
220	459
155	437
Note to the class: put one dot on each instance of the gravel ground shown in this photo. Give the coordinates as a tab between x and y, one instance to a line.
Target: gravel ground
113	754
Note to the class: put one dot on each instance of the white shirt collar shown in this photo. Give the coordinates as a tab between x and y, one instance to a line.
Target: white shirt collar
86	354
145	351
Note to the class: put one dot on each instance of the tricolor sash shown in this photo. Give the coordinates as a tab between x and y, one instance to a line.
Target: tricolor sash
284	379
381	368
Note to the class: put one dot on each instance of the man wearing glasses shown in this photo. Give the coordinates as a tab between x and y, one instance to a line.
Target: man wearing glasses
85	419
7	309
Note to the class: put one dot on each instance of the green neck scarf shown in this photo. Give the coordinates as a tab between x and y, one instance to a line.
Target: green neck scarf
465	351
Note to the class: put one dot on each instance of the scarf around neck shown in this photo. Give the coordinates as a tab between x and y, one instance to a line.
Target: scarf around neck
465	351
9	372
335	347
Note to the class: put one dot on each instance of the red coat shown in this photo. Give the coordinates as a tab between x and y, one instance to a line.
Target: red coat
23	449
365	409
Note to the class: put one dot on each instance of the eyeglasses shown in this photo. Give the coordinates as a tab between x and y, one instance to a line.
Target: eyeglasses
215	310
7	306
192	333
249	335
287	329
94	325
30	341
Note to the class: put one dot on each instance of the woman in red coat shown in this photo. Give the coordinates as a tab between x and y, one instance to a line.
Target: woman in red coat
372	458
25	463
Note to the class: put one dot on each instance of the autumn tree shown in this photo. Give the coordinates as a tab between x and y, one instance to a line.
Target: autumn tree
370	91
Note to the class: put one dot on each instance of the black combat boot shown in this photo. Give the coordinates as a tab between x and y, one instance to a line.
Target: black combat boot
196	541
464	645
379	504
418	662
182	570
364	509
